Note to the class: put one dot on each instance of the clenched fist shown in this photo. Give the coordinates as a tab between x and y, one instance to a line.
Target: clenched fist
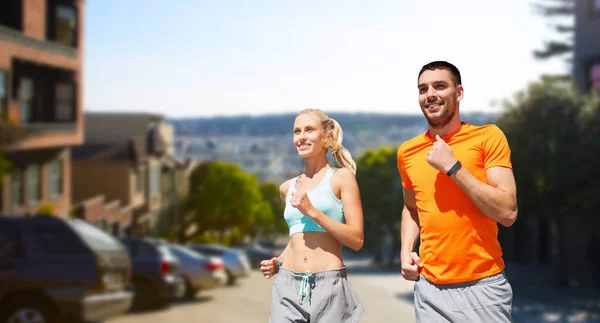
440	156
269	267
302	203
411	266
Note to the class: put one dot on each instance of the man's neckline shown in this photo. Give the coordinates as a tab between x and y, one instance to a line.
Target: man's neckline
448	136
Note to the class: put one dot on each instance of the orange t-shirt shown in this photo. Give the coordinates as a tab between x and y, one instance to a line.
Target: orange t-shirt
458	242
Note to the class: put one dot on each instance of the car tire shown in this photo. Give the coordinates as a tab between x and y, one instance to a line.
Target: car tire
189	291
145	296
31	308
231	279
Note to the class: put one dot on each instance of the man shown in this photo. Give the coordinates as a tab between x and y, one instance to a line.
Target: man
458	184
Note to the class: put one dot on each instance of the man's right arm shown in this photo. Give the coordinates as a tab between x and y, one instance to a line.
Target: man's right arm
410	223
409	229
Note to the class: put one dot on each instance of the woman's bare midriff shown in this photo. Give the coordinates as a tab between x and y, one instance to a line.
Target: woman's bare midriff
314	251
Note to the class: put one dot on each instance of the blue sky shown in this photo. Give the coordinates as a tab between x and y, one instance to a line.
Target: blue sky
205	58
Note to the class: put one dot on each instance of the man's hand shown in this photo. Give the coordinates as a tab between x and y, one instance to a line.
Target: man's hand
440	156
269	267
411	266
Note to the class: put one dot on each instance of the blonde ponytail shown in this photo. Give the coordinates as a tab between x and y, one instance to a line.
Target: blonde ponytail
340	153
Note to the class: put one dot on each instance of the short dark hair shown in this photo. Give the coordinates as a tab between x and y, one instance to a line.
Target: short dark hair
443	65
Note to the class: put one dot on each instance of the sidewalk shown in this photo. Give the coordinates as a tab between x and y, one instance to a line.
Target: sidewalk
534	282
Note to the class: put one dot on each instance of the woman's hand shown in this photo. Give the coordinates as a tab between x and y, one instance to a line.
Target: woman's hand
269	267
303	204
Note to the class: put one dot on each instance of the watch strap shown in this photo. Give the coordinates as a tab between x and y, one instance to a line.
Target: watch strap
454	168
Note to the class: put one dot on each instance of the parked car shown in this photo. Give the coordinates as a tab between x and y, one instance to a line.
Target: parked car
56	270
199	272
156	276
257	253
236	262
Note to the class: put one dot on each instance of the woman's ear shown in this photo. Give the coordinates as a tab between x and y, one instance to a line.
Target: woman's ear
330	135
328	140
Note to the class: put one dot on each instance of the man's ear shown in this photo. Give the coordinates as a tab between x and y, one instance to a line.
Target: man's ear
460	92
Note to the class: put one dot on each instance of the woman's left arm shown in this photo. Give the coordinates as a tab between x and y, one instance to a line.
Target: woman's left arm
351	233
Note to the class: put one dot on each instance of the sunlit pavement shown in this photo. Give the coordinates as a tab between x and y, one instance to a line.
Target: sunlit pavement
387	297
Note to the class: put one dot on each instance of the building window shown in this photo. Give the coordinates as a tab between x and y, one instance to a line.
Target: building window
140	179
33	183
154	181
16	188
66	24
3	94
64	102
168	182
11	14
55	176
26	99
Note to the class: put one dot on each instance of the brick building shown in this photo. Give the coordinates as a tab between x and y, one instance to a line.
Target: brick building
41	50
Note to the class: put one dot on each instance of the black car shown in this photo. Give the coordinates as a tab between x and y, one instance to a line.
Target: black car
55	270
156	276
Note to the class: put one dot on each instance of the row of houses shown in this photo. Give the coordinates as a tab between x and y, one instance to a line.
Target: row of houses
125	177
116	170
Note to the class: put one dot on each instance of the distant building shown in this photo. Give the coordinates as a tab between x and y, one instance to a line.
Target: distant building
266	157
133	155
111	174
587	44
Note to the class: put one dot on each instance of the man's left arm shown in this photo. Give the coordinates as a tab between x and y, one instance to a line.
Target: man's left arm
496	199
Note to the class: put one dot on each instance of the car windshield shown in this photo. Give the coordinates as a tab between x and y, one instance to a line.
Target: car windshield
185	252
93	237
166	252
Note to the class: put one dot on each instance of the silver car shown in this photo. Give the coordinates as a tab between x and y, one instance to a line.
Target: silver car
199	272
236	261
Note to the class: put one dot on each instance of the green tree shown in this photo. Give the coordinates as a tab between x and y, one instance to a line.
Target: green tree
46	209
382	200
223	197
270	192
554	151
264	223
6	167
560	13
557	11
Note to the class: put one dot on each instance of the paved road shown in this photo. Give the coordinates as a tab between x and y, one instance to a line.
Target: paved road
386	296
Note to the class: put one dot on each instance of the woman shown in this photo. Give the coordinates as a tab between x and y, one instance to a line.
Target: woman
323	211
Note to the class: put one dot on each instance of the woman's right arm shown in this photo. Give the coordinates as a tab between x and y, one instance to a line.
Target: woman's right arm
283	189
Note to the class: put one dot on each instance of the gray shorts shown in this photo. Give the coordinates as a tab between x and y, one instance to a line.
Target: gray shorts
324	296
485	300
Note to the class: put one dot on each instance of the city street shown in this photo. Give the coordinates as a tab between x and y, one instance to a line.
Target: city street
386	296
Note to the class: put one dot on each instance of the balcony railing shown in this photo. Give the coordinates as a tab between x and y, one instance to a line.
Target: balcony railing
12	133
15	36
